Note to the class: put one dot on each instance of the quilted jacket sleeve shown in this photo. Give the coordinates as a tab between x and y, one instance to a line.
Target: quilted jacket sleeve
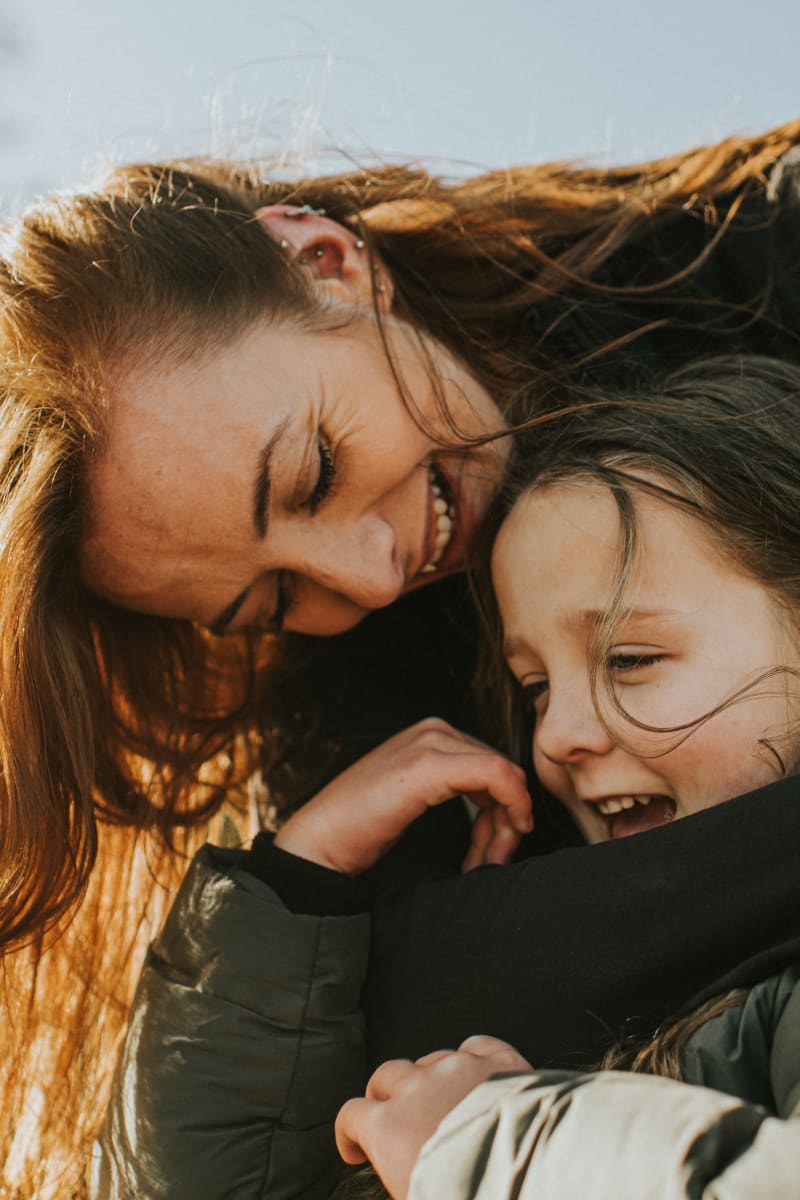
245	1038
608	1136
617	1136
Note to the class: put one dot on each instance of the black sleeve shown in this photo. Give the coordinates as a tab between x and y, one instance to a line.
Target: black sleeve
303	886
434	845
559	955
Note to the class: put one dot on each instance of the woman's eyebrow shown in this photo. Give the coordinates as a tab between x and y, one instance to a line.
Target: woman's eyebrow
262	482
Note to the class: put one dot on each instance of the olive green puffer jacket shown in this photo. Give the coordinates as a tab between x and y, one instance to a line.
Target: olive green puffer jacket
240	1059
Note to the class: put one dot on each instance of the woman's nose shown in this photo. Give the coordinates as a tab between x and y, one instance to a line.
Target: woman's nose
570	728
360	562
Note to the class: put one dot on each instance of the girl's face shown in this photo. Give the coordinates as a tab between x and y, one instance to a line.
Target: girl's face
282	482
694	631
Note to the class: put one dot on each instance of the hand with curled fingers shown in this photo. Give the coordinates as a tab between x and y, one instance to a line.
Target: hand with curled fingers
360	814
405	1102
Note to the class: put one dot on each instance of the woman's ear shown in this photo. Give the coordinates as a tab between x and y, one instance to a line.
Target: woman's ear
336	257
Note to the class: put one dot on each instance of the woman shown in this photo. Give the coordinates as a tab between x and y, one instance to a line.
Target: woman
499	293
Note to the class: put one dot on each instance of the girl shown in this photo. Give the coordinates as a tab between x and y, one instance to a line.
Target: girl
225	411
646	623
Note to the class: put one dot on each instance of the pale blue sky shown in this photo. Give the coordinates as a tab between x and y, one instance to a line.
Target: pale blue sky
487	83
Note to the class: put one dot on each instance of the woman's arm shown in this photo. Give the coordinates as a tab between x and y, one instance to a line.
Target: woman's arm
244	1039
245	1036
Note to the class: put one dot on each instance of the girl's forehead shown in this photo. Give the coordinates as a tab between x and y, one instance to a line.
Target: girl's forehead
565	538
551	529
546	514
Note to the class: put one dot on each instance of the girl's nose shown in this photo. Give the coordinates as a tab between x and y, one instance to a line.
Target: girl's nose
570	727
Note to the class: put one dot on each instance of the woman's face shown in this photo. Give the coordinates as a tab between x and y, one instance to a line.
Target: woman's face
695	630
282	482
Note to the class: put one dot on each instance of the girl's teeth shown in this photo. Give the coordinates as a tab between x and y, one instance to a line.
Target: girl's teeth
618	804
439	505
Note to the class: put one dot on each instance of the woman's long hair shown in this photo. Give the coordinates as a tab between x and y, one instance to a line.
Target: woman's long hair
146	722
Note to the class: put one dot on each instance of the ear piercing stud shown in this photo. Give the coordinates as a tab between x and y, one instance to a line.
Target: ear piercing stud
360	243
305	210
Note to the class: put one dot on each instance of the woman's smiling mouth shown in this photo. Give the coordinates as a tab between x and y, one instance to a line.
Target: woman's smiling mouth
442	521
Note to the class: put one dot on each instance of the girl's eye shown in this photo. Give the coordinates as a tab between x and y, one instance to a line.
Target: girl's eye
325	478
631	662
533	692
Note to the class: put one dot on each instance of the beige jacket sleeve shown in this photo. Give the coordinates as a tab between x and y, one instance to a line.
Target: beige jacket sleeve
607	1136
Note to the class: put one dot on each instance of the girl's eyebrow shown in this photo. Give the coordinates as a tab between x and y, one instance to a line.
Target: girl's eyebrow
587	618
513	647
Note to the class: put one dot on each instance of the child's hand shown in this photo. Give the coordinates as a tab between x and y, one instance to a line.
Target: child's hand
357	817
405	1102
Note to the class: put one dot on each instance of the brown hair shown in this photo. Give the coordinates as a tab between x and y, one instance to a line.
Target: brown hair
662	1053
144	721
722	438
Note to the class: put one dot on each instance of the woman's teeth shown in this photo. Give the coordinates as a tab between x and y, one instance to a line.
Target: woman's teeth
445	522
618	804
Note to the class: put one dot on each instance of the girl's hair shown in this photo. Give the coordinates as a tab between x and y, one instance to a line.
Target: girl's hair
360	1183
662	1053
720	441
146	722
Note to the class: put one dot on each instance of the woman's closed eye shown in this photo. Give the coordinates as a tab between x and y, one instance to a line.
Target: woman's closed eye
326	475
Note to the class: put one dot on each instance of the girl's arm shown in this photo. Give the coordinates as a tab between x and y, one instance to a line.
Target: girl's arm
630	1137
452	1125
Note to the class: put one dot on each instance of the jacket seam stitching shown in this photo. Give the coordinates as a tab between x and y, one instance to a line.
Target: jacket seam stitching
306	1003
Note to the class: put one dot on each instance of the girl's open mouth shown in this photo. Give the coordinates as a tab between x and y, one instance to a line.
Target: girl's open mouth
626	815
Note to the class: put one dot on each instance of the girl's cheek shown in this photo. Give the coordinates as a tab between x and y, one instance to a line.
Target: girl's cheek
553	778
